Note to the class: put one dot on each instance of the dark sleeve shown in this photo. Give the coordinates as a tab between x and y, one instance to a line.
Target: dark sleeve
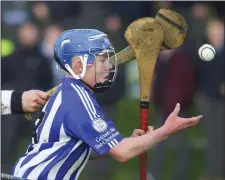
16	102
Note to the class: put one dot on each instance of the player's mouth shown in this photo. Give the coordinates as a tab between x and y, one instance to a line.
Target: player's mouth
106	77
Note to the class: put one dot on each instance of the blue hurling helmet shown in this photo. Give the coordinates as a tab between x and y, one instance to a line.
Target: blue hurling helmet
85	43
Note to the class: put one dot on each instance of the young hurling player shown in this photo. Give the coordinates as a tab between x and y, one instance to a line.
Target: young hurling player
73	125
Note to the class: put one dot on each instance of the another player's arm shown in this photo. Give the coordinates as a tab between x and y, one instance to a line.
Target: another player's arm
16	102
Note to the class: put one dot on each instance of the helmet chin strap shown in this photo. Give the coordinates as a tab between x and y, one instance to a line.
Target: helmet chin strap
96	88
84	64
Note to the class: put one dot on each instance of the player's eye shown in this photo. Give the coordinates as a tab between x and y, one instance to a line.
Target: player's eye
103	60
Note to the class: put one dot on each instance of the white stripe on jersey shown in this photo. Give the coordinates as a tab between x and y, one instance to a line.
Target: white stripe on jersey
44	135
91	108
89	99
110	145
43	110
82	99
38	169
115	141
37	121
53	172
18	165
75	166
82	167
36	148
62	134
40	157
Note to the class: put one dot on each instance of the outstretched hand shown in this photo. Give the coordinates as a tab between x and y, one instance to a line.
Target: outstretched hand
175	123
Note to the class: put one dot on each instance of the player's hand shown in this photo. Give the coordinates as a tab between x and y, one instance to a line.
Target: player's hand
140	132
33	100
175	123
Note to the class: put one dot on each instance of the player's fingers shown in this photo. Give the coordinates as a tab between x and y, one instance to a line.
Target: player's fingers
197	118
37	106
43	95
138	132
35	109
177	109
34	106
195	122
150	129
193	119
41	101
192	124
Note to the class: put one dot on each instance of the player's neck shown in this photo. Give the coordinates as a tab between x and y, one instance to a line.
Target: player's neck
85	84
89	87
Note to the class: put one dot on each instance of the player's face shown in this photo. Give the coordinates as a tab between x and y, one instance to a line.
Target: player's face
102	68
100	71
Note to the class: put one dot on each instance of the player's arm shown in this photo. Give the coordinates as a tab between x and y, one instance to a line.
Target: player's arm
136	133
128	148
16	102
102	136
33	100
6	102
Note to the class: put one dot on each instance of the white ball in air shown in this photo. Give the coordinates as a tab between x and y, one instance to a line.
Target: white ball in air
206	52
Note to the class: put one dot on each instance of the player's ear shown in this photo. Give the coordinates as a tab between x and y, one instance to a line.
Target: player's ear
77	65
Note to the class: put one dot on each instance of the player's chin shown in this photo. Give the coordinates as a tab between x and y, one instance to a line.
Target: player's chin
106	78
103	79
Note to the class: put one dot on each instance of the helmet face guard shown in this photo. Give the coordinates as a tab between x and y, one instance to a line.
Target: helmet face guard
109	74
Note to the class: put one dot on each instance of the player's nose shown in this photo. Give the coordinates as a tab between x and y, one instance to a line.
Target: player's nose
108	66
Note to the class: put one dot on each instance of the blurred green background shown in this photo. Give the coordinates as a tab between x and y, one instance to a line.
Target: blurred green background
28	33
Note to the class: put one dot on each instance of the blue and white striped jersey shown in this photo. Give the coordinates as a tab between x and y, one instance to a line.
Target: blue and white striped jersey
72	125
